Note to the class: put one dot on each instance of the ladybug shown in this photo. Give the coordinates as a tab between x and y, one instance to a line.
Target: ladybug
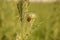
29	19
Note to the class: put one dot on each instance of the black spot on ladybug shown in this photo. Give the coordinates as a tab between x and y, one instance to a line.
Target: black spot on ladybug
28	19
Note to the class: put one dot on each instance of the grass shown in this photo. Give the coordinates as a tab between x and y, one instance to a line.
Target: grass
45	27
9	20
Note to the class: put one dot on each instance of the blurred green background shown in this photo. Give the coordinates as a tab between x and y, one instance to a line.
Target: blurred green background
47	24
9	20
45	27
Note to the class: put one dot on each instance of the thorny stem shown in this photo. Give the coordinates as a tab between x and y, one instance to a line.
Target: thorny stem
25	29
24	11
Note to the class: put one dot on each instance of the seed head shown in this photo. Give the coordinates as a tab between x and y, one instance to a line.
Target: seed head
32	15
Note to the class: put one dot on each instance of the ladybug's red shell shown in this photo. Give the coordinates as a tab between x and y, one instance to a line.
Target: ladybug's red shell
28	19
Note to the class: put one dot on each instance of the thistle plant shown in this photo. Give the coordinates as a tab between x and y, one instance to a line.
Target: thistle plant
27	20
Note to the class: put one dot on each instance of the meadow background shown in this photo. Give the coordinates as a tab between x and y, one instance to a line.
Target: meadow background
47	24
45	27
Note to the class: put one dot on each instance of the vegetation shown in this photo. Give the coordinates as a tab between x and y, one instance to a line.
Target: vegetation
9	20
46	26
